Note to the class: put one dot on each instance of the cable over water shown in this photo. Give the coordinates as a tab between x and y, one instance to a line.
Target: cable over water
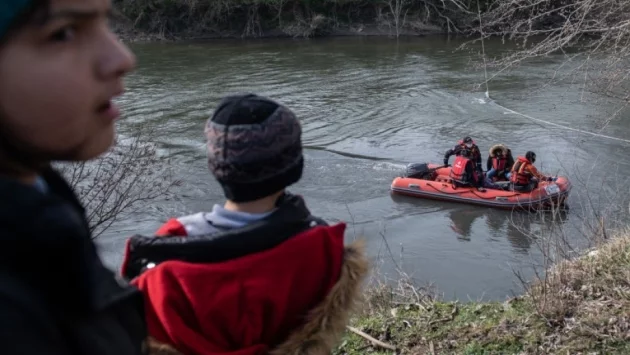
485	70
595	134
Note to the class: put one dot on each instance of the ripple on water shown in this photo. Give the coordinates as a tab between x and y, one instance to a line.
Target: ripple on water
367	107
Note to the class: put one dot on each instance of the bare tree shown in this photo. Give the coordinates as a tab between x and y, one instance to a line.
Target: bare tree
594	36
398	9
278	5
130	175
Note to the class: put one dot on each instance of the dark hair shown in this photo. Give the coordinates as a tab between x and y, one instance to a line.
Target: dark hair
531	156
34	12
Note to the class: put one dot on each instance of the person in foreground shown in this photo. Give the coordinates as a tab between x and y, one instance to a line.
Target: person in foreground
463	173
466	144
525	176
60	68
259	274
500	162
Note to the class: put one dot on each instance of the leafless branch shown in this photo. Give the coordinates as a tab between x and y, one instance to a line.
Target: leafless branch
131	174
592	35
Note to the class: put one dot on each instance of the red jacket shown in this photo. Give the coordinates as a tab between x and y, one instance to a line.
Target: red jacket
244	306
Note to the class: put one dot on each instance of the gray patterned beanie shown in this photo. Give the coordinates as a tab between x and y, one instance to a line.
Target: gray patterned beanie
254	147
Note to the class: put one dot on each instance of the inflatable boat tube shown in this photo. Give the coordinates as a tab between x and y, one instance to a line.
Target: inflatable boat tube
431	181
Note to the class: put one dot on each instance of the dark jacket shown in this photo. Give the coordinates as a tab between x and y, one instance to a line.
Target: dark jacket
476	154
283	285
56	297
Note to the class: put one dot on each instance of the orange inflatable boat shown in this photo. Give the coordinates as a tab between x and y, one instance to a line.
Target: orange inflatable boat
432	181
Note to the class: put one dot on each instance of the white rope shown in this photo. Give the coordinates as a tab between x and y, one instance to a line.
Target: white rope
485	70
483	51
562	126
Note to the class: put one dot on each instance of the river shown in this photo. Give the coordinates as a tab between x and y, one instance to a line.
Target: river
368	106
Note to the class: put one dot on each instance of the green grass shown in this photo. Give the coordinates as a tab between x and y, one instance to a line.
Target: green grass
470	328
582	307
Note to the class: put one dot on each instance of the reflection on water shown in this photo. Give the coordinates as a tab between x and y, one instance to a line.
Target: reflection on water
368	106
517	227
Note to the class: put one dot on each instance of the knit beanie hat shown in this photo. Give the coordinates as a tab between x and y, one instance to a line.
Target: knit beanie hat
9	11
254	147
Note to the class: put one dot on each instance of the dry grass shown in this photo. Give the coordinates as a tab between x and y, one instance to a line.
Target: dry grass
583	307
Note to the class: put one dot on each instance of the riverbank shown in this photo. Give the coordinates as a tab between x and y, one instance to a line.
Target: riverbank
199	20
128	33
131	35
583	306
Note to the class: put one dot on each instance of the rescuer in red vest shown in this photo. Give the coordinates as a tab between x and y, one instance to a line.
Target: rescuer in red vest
468	144
464	173
525	176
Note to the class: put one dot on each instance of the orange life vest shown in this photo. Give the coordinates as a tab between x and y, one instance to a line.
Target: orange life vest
520	176
458	171
498	163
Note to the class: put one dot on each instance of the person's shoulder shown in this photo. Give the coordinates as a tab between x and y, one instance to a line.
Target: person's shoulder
27	325
16	294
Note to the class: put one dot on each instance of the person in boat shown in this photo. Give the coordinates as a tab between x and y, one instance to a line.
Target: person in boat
469	145
499	163
60	67
524	175
259	274
464	173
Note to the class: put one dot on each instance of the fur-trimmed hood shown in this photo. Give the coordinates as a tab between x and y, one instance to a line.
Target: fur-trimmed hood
326	323
502	147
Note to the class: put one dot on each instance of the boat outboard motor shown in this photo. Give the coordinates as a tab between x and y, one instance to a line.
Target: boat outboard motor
418	171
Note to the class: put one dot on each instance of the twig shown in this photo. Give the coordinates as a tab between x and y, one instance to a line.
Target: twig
371	339
446	319
411	304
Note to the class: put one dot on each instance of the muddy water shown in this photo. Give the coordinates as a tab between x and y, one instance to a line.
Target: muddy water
368	107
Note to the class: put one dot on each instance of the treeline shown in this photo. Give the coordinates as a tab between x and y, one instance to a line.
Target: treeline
298	18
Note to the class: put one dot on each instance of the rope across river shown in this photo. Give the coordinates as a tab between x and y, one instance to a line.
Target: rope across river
568	128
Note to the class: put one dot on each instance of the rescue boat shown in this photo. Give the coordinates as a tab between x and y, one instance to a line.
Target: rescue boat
432	181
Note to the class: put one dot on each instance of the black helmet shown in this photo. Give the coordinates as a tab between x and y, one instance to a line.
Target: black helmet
531	156
467	140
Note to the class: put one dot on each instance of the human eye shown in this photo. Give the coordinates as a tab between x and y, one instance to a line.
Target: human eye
63	34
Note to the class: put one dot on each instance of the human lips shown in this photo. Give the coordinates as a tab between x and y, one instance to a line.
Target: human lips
109	109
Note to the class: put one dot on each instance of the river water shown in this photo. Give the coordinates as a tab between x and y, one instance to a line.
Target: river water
368	106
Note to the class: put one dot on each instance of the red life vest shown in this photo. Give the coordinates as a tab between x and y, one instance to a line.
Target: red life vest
458	171
498	163
520	176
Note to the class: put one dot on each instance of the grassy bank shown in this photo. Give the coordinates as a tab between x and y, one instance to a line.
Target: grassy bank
175	19
581	307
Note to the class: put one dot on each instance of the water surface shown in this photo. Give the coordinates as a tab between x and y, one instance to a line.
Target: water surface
368	107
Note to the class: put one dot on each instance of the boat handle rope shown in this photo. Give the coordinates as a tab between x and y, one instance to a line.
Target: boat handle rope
472	190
